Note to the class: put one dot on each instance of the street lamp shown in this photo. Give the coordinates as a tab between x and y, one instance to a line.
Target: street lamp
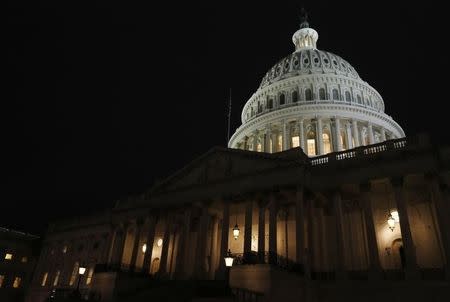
236	232
228	264
81	271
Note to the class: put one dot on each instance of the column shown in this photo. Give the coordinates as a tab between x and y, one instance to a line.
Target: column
255	141
349	135
442	210
248	230
408	243
180	270
224	239
109	245
309	255
267	140
299	226
149	242
301	135
119	246
273	211
200	259
213	253
371	137
261	230
374	259
319	133
275	142
383	134
355	134
165	245
340	263
286	135
337	137
136	247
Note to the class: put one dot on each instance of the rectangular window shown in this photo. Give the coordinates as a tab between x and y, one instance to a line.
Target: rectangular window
8	256
295	142
2	278
44	279
89	276
311	146
17	281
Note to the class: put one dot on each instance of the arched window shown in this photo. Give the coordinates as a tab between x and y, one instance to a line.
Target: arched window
252	112
348	98
294	97
326	137
282	99
311	143
335	94
270	104
358	97
322	94
308	94
260	109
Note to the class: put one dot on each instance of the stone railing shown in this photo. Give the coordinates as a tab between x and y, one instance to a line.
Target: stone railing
362	151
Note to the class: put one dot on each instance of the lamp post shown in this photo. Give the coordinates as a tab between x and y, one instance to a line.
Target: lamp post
228	264
81	271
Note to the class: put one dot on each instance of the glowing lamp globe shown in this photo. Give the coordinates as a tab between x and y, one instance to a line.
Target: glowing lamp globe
229	259
391	222
144	248
81	270
236	232
394	214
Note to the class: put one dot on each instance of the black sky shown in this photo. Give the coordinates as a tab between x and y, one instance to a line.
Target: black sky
102	100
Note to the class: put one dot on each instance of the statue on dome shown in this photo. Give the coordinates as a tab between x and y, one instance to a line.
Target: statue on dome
303	19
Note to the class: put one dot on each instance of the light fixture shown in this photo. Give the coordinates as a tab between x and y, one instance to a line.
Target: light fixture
391	222
81	270
229	259
144	248
394	214
159	242
236	231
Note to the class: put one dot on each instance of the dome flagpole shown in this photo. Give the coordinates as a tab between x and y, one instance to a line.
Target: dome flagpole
229	119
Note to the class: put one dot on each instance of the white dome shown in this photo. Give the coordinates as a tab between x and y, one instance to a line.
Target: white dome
316	100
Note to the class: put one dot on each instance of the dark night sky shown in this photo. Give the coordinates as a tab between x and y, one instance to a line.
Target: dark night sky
102	100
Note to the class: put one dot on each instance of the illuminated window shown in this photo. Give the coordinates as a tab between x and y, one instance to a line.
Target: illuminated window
2	278
24	259
258	147
74	273
343	140
311	143
44	279
56	280
17	281
322	94
89	276
280	143
308	94
8	256
295	142
326	143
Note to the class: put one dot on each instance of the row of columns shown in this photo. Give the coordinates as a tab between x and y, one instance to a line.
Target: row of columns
351	132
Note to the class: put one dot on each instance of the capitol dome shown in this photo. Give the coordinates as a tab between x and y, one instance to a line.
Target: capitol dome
315	100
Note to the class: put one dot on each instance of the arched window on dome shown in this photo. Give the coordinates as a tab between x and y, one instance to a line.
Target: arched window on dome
335	94
358	98
308	94
311	143
348	97
252	111
294	96
326	137
260	109
282	99
270	104
322	95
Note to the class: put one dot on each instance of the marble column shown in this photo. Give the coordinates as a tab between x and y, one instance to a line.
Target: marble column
286	135
442	212
200	259
224	237
183	245
273	211
412	271
383	134
150	241
319	132
275	141
371	137
349	135
165	245
248	229
267	140
355	134
261	230
119	246
299	226
374	265
301	135
341	257
255	141
136	247
213	249
109	250
337	137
